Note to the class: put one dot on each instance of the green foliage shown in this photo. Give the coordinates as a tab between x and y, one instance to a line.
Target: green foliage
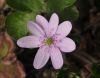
26	10
63	72
70	13
96	70
26	5
16	24
58	5
66	72
65	9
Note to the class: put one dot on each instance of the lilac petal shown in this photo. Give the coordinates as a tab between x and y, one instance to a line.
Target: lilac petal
42	22
56	58
41	57
29	42
53	24
35	29
64	29
67	45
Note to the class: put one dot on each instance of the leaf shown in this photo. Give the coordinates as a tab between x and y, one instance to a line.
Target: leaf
58	5
16	24
3	50
70	13
96	70
66	72
26	5
63	72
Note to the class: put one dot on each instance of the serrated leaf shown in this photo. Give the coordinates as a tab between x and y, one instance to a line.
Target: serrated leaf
3	50
16	24
26	5
58	5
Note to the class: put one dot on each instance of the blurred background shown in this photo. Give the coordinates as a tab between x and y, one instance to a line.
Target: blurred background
84	62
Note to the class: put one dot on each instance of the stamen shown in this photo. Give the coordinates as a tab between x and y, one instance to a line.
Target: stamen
49	41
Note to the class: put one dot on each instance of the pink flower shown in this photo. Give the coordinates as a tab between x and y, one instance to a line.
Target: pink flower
51	38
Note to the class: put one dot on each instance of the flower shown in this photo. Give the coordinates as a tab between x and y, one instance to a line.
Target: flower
51	38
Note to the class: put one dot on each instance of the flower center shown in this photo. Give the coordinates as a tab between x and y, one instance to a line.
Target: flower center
49	41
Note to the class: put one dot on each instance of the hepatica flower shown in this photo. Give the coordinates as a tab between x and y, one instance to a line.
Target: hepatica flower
51	39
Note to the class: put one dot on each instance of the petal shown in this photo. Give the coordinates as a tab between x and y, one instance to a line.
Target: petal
41	57
35	29
53	24
64	29
67	45
42	22
29	42
56	57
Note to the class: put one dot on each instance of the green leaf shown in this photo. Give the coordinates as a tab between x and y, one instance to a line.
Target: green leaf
63	72
58	5
16	23
96	70
70	13
27	5
66	72
3	50
74	75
